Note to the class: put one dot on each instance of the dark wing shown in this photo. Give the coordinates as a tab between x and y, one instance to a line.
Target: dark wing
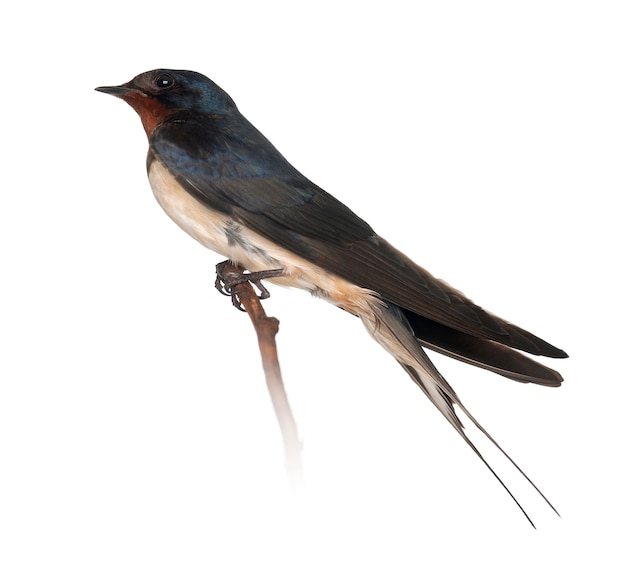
226	163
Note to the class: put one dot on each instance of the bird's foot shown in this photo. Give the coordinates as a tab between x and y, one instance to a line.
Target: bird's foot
228	277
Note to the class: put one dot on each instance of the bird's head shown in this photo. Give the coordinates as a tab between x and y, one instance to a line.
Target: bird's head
157	94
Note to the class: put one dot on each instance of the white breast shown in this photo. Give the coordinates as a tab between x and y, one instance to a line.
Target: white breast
250	250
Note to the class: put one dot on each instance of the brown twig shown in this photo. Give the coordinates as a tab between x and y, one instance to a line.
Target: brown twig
266	329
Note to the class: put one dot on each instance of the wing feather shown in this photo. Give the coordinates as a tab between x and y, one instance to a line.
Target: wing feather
235	169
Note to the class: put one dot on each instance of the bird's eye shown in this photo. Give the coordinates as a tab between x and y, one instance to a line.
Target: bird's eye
164	81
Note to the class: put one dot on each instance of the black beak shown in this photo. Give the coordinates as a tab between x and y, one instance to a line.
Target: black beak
117	91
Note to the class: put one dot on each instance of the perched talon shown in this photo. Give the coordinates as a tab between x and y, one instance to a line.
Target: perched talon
226	281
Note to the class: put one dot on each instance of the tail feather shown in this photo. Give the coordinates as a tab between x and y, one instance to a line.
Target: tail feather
389	326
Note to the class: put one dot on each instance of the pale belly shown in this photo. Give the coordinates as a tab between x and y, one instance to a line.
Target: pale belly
244	247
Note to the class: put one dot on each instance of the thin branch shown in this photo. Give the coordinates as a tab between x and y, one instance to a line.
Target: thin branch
266	329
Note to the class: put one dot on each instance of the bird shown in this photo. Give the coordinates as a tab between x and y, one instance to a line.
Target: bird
227	186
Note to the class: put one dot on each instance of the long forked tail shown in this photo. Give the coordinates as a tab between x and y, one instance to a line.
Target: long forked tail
389	327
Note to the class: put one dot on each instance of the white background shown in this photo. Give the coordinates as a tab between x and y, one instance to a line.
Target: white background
487	142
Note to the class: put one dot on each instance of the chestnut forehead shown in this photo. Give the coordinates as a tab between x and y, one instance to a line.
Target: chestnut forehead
144	81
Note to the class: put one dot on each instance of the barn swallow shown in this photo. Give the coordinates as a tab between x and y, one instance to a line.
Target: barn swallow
229	188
